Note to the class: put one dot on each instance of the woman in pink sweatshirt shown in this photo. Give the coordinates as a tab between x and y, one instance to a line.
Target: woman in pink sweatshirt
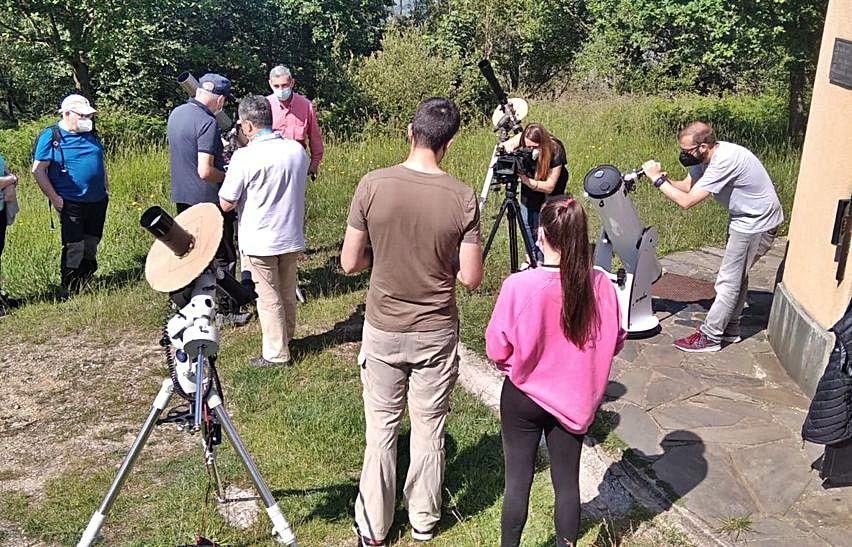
554	332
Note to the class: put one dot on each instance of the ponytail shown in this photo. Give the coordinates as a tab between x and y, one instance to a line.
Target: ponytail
566	230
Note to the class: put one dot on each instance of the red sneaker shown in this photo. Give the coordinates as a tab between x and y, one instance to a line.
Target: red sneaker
697	342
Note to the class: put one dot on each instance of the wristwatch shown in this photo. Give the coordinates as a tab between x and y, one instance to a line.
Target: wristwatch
660	180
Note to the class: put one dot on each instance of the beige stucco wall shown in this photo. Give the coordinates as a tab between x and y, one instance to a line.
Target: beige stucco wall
825	176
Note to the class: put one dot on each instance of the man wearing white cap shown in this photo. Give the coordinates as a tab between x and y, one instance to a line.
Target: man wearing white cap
69	168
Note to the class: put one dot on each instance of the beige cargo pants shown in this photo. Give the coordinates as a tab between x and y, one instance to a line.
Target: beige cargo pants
421	367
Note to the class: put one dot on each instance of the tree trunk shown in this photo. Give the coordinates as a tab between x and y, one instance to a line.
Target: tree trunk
796	117
82	78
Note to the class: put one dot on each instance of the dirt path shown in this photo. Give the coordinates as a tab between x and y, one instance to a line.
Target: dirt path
71	401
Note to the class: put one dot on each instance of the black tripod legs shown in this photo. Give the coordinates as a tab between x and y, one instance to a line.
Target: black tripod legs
511	210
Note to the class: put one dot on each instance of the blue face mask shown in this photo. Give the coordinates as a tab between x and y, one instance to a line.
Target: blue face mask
284	94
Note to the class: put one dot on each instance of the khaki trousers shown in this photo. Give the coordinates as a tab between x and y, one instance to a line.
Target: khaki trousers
422	366
275	282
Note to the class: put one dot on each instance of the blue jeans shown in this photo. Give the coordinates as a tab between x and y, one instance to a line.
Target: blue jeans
529	223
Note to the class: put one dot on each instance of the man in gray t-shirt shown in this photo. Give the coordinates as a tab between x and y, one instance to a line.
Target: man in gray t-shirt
738	181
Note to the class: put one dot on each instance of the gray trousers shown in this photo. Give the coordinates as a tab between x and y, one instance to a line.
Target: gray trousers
421	367
741	253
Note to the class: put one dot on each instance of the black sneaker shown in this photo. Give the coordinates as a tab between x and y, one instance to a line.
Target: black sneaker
364	541
8	302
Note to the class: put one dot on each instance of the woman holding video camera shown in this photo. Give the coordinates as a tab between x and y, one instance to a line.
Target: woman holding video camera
550	176
553	332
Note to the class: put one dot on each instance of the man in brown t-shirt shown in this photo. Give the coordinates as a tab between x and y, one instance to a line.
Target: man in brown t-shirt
418	228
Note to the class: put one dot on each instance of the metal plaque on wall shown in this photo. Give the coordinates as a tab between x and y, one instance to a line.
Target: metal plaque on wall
840	72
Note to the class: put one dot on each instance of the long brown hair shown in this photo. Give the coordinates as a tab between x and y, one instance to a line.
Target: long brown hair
537	133
566	230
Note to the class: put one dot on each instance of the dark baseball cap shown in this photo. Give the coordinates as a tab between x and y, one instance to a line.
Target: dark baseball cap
216	84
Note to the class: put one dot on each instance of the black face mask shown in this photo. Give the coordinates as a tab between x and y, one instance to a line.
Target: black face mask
688	160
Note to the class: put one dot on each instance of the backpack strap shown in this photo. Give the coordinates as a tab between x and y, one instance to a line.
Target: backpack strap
56	144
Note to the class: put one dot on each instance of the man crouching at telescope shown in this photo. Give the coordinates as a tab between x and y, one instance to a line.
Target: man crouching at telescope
739	182
423	226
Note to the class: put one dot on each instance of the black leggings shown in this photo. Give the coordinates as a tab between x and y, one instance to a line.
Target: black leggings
523	422
2	232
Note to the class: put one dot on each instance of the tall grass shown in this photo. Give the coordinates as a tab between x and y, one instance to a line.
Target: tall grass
619	131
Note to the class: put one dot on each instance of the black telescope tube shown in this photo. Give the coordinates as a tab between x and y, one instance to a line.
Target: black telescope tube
240	292
163	227
488	72
188	83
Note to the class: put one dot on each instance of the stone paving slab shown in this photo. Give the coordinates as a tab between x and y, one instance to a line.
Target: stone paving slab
747	418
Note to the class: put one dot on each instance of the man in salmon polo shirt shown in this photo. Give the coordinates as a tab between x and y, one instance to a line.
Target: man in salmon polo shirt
294	117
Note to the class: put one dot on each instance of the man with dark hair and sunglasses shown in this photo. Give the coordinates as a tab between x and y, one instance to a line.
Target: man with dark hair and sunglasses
739	182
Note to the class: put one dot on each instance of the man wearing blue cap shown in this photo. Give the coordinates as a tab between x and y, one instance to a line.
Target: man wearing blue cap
197	169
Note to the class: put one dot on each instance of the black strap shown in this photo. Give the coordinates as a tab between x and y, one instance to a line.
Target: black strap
56	144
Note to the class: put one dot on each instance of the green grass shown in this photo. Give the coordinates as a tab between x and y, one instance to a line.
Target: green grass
304	426
735	526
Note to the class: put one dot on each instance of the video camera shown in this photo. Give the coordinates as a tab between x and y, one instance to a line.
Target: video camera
507	165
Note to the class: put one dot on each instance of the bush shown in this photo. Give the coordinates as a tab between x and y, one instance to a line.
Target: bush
117	129
394	80
745	119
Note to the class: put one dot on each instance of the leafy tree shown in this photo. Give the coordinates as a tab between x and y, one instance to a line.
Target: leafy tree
528	41
709	46
130	51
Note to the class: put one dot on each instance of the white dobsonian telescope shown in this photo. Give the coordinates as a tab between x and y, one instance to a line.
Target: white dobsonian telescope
623	235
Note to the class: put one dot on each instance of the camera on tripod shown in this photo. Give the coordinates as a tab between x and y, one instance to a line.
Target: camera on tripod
507	117
507	165
504	169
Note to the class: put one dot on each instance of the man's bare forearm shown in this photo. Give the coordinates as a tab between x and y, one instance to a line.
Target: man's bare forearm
45	185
